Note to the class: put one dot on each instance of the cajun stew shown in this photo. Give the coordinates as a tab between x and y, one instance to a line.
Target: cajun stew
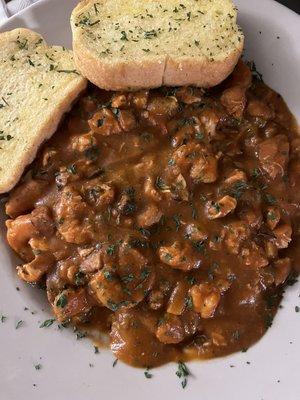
168	219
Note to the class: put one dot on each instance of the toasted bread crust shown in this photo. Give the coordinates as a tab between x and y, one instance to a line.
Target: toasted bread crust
21	150
119	73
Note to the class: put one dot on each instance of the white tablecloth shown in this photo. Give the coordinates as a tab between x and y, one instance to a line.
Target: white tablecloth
14	6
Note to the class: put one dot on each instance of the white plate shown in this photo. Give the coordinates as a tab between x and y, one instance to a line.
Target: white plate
273	372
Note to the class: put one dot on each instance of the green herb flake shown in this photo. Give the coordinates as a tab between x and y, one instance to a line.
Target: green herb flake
108	275
270	199
62	301
47	323
72	169
38	366
176	219
3	318
124	36
115	363
199	136
111	250
182	373
19	324
191	280
147	374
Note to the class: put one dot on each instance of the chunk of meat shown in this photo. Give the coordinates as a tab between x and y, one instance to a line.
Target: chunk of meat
174	329
221	208
140	99
48	157
119	100
178	256
205	169
272	216
271	249
273	155
73	217
166	106
253	256
206	299
98	194
283	268
71	304
257	108
179	190
106	287
42	220
19	233
236	233
146	165
150	191
234	100
150	216
93	262
127	120
83	143
125	284
33	271
209	120
22	199
253	217
235	176
195	232
105	122
126	205
188	95
156	299
283	235
186	154
177	300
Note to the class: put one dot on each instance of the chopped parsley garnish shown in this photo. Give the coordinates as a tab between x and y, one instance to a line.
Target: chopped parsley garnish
111	250
38	366
182	373
19	324
189	302
199	136
108	275
3	318
23	45
115	363
145	273
72	169
176	219
47	323
147	374
191	280
127	278
62	301
124	36
80	335
150	34
270	199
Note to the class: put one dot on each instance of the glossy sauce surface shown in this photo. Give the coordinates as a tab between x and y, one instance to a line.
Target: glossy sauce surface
168	219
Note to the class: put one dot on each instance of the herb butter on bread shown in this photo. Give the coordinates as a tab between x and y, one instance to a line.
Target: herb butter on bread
134	44
38	84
